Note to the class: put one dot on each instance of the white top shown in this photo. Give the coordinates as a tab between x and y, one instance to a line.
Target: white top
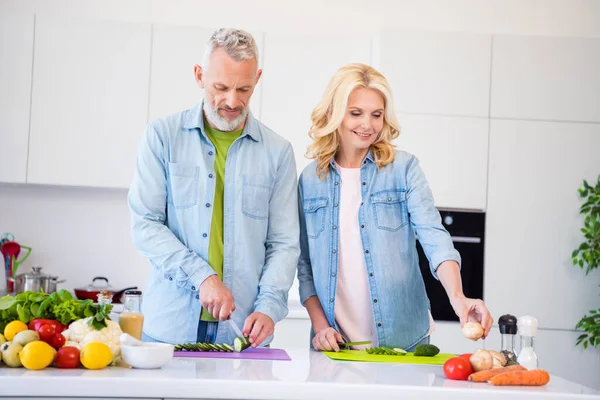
353	308
310	375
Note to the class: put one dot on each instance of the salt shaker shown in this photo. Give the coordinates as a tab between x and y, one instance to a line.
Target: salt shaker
527	326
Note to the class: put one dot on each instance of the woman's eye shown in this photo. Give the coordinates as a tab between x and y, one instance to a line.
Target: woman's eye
355	114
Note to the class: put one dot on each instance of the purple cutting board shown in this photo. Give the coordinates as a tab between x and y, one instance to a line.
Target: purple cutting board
260	353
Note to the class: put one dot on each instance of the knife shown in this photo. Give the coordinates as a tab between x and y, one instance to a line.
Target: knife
354	343
235	328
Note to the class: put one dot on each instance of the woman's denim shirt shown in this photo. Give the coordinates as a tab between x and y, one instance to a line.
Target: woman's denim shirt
397	205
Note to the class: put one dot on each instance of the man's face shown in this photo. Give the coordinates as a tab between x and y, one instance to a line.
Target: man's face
228	86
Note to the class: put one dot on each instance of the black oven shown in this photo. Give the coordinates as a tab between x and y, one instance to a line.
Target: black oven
467	231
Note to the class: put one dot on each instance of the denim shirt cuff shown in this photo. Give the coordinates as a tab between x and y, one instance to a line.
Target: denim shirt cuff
192	282
307	290
274	311
438	259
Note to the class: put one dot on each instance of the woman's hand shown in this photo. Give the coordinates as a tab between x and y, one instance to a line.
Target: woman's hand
472	310
327	340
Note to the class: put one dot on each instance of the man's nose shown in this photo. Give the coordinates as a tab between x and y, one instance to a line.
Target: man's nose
232	99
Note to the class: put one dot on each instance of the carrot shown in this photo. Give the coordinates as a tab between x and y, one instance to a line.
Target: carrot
484	376
535	377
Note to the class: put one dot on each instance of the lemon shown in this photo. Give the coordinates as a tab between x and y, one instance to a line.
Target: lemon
95	355
2	339
13	328
37	355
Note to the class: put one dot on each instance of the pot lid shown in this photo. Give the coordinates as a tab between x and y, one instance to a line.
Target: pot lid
37	273
98	283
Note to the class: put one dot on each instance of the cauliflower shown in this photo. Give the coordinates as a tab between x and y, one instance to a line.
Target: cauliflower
80	333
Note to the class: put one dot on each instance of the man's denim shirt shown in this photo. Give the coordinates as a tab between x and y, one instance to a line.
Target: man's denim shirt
171	209
397	205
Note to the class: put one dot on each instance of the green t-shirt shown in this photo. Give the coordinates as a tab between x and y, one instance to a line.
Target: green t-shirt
222	142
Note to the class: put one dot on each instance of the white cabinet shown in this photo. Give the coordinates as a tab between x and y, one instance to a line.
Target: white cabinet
90	101
453	155
532	222
437	72
16	52
296	72
175	51
546	78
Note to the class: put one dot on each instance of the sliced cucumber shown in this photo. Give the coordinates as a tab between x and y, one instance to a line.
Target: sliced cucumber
228	347
240	344
399	350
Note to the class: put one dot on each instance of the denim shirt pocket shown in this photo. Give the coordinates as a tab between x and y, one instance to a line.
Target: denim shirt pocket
184	184
314	214
389	208
256	192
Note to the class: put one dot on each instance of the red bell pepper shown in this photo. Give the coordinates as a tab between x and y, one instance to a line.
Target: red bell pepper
36	324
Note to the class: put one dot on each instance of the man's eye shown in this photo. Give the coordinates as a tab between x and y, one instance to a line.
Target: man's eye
243	90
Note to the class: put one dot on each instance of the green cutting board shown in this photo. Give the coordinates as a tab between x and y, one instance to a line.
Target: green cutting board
409	358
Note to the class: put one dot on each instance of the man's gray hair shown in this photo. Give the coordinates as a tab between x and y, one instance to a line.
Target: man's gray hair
238	44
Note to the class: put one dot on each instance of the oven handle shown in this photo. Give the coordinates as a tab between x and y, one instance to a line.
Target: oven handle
465	239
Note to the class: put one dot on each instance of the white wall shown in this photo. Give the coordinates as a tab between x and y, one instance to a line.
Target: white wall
78	233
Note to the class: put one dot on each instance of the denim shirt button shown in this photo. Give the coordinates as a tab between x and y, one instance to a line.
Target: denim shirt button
334	227
333	274
335	205
336	182
362	226
364	183
374	300
389	199
207	205
170	278
379	324
310	207
210	153
371	274
367	251
333	251
331	299
197	296
204	235
210	175
194	288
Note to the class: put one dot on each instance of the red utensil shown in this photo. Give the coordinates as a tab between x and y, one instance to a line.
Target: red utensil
10	251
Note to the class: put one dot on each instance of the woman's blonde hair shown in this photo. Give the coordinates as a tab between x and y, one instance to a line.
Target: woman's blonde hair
329	114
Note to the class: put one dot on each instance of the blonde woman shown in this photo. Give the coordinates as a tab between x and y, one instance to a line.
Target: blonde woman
361	205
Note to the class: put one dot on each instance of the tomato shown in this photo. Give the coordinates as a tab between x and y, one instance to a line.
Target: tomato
46	332
57	341
466	356
35	324
67	357
458	369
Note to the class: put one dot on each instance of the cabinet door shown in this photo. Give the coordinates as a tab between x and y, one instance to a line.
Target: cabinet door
297	70
437	72
546	78
90	101
453	154
533	222
16	53
175	51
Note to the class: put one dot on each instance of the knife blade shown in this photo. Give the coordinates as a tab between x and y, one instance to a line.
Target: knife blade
354	343
235	328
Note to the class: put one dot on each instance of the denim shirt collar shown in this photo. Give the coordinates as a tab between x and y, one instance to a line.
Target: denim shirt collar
195	120
368	157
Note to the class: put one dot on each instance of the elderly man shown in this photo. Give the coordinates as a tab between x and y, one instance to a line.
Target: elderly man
214	208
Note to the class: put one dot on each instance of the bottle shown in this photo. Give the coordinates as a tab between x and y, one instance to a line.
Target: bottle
131	319
105	297
527	326
508	330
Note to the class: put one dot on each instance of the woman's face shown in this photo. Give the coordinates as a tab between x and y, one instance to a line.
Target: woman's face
363	120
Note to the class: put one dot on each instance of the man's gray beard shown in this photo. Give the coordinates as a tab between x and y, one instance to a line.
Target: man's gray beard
212	114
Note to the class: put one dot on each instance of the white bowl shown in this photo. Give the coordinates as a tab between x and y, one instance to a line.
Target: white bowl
147	356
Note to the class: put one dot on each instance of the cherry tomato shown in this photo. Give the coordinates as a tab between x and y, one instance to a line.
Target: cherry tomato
46	332
458	369
57	341
67	357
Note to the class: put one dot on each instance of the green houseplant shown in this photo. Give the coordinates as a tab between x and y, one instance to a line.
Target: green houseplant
587	257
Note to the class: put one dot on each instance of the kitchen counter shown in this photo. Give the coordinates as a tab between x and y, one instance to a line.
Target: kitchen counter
309	375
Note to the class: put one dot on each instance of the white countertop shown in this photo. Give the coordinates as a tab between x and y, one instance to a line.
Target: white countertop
308	375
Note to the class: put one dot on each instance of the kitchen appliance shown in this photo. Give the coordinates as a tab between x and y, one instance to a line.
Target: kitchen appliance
467	230
92	290
35	281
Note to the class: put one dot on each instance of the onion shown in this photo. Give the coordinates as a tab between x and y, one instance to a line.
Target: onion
472	330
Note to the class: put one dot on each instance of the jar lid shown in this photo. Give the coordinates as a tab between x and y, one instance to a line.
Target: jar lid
133	292
508	324
527	325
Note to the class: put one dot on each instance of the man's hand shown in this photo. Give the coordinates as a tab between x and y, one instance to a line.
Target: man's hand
258	327
216	298
327	340
472	310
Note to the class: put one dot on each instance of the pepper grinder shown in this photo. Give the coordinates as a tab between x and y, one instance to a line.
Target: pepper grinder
508	331
527	326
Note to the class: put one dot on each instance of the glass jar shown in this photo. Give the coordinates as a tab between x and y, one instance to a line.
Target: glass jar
131	319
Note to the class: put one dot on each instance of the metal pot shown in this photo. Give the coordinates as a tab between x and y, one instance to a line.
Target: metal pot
35	281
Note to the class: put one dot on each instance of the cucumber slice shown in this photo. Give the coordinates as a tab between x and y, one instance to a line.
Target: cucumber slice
227	347
399	350
240	344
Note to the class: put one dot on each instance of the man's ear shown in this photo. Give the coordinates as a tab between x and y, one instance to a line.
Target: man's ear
199	75
258	75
